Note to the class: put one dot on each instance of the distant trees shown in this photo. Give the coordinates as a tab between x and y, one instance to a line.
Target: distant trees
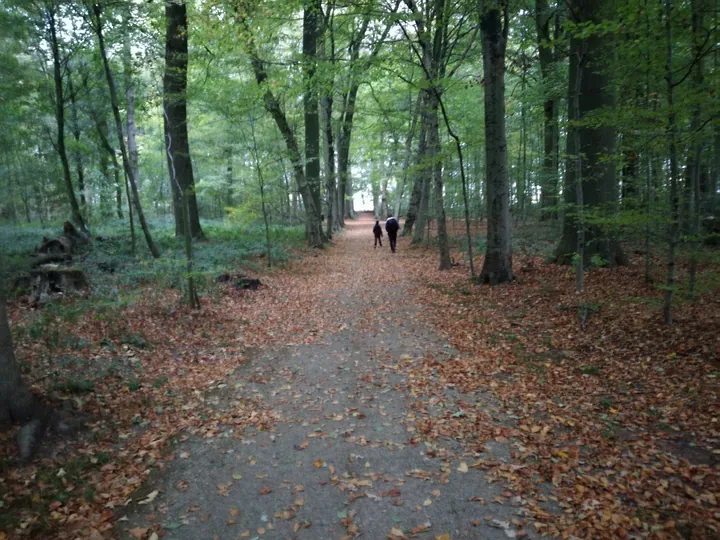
561	109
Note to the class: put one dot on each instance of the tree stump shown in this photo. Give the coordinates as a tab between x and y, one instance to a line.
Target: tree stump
52	279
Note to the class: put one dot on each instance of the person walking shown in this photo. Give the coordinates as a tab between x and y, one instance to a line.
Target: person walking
377	231
392	227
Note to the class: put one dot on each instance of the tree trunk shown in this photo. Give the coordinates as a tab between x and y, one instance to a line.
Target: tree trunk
102	131
77	155
497	267
96	14
344	152
175	106
408	152
419	177
228	156
674	195
311	12
17	404
60	118
434	144
568	241
548	179
597	141
332	219
694	163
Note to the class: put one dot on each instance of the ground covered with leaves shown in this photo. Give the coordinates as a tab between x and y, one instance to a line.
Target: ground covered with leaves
520	410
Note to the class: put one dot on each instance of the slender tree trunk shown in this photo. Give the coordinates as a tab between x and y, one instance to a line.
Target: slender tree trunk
193	298
60	118
425	172
77	154
175	105
332	220
579	194
695	164
96	13
497	267
102	132
414	110
674	195
434	144
228	157
548	179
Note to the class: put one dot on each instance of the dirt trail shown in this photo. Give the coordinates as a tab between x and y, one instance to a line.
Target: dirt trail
338	460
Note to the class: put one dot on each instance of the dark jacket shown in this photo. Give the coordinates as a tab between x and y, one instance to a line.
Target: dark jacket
392	225
377	230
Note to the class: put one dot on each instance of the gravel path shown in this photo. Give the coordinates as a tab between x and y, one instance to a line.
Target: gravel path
338	462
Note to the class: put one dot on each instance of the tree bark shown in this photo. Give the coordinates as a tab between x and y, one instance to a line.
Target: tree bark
419	177
434	143
17	403
497	267
175	119
548	180
674	231
597	141
311	13
408	152
77	155
694	161
96	14
77	217
102	131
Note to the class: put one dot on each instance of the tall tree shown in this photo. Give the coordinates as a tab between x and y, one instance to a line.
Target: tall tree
494	26
311	15
175	118
95	15
314	233
50	13
544	16
591	50
357	66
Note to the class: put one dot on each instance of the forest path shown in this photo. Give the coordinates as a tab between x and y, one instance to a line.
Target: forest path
338	461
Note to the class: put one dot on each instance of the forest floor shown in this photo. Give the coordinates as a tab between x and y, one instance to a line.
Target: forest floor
364	393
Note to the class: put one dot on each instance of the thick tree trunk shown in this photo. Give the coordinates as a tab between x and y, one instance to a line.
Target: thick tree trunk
425	171
312	10
568	241
175	106
497	267
96	14
344	181
418	176
408	153
597	141
60	117
17	403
